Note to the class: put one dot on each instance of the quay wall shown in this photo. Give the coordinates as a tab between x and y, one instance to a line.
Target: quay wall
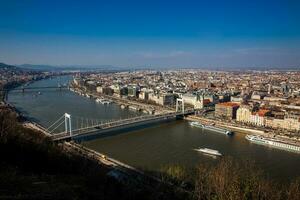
224	125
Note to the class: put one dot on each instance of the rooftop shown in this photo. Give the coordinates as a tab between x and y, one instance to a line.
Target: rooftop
262	112
229	104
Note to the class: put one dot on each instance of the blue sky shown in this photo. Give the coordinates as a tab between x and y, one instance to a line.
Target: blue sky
151	33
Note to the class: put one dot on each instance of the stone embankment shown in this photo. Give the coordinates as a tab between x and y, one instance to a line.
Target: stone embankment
246	130
225	125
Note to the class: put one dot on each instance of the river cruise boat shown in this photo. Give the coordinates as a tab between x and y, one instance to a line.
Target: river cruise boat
272	142
196	124
211	128
209	151
219	130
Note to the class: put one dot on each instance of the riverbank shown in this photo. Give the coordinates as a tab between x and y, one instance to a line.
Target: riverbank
134	105
26	122
103	159
14	84
224	125
244	130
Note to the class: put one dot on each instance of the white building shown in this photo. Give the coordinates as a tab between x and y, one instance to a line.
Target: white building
162	99
257	120
243	114
99	89
193	100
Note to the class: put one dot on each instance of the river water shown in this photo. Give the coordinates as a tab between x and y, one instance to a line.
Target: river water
152	147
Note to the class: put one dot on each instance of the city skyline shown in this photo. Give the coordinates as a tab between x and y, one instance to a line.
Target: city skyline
221	34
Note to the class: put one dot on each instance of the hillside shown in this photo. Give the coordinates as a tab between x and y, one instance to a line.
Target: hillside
4	66
33	167
40	67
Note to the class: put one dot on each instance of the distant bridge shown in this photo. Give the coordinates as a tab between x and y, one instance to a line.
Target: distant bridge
22	89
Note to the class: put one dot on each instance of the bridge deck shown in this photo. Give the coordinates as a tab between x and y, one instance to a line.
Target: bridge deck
115	124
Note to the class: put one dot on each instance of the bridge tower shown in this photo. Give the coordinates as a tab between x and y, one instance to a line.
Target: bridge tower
68	124
178	102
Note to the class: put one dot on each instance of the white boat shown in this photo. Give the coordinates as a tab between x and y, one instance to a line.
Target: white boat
218	130
273	143
211	128
209	151
196	124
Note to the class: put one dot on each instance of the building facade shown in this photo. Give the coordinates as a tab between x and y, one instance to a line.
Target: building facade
226	110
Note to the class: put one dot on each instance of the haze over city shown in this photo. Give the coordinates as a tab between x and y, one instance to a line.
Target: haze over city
217	34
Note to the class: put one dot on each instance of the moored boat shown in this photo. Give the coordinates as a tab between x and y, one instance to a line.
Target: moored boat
219	130
211	128
196	124
272	142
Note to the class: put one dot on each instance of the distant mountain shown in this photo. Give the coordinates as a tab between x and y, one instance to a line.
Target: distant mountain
90	67
39	67
68	67
9	67
3	65
24	68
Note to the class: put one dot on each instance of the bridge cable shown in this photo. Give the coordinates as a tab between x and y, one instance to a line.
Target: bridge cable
55	122
57	126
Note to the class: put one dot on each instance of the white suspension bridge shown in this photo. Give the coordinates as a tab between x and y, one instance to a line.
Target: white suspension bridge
84	126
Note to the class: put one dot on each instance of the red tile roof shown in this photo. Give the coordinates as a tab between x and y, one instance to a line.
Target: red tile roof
261	112
229	104
206	101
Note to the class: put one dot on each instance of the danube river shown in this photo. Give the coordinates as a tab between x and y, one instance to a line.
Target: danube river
155	146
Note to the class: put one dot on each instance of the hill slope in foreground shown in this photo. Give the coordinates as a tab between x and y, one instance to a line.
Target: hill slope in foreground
33	167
